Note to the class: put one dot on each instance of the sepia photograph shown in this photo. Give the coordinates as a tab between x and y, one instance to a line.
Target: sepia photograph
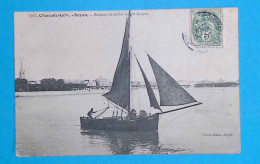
161	81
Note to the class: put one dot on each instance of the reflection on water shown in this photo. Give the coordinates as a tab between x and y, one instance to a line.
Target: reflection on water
122	142
50	125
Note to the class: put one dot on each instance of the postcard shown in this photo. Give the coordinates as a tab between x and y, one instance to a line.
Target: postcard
127	82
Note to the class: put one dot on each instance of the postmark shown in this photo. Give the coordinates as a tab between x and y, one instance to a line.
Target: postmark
187	41
206	28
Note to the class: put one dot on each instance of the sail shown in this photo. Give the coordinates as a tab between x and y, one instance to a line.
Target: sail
171	93
152	98
120	89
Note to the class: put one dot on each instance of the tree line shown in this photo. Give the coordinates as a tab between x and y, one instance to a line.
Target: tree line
48	84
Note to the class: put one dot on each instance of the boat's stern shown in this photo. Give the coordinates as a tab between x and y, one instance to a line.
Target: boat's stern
83	121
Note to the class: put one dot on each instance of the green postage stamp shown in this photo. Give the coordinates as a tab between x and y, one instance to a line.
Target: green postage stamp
206	28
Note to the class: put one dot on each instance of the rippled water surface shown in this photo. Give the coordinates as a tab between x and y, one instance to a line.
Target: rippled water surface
47	123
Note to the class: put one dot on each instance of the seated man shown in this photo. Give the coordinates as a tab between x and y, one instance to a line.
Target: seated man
143	113
132	114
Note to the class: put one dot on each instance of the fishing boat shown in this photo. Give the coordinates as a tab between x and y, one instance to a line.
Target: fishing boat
171	94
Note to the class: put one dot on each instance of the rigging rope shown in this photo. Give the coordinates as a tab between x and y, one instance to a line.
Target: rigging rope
131	78
176	118
101	109
101	112
137	91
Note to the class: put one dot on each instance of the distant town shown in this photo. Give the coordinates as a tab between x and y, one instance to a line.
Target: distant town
51	84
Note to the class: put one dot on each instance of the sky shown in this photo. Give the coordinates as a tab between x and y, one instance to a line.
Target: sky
89	47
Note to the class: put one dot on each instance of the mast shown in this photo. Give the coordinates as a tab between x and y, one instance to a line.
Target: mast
130	59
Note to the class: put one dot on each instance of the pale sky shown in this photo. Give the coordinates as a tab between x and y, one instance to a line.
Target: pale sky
89	47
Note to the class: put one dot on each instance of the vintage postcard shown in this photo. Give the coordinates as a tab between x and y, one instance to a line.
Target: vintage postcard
127	82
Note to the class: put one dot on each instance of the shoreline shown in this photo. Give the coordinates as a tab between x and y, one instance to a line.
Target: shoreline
58	93
93	91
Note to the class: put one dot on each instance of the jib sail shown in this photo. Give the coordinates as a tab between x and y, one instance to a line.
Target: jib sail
152	98
171	93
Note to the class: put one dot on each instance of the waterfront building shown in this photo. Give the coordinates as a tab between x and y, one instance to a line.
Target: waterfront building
103	83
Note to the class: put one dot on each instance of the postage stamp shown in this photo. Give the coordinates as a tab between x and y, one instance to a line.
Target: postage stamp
206	28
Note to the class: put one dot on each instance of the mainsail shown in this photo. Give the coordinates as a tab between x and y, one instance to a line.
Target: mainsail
120	89
171	93
152	98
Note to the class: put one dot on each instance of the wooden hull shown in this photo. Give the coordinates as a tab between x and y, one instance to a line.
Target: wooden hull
149	123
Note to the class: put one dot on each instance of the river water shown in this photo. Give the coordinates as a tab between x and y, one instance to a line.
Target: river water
47	123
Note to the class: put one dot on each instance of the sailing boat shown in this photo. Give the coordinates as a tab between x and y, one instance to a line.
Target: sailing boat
170	92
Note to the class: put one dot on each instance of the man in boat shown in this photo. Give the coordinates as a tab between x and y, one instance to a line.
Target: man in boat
132	114
143	113
90	113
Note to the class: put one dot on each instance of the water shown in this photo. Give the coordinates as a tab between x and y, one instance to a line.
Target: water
47	123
